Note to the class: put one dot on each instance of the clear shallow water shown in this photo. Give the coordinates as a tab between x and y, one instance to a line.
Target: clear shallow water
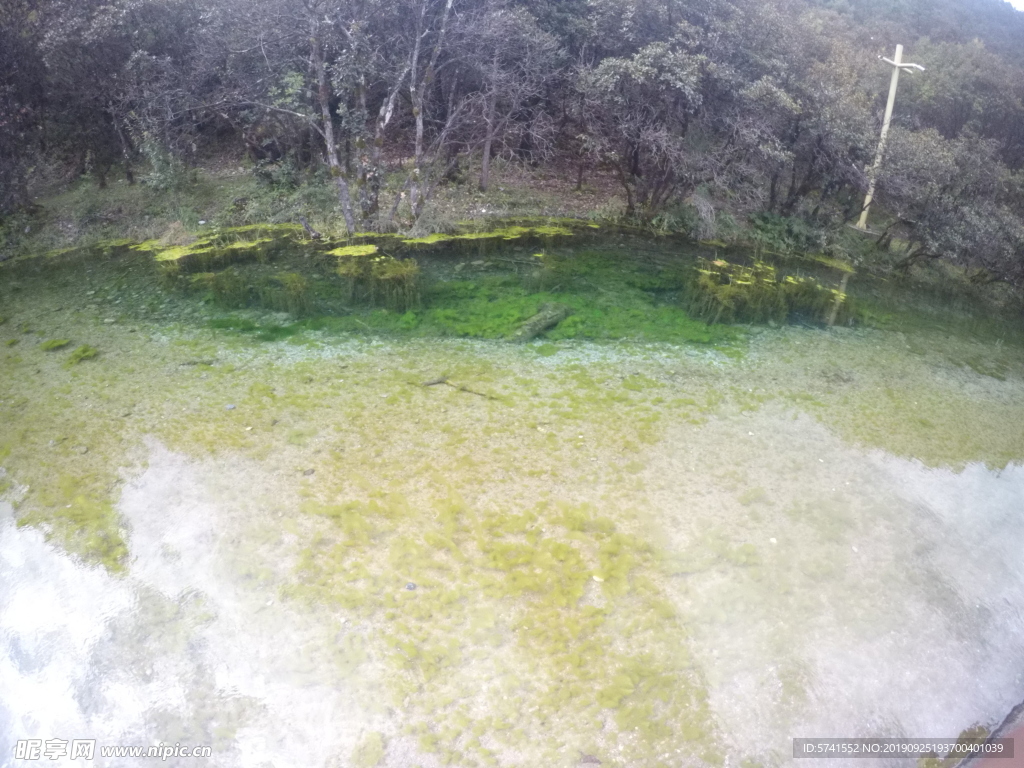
809	540
907	619
177	650
889	597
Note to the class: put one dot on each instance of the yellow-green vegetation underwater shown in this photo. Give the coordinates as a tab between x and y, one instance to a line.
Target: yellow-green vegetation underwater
487	538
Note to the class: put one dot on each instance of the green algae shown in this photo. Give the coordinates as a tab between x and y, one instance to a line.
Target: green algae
370	751
927	423
491	573
379	279
506	235
394	283
512	579
281	291
219	248
725	292
228	288
147	246
262	229
432	239
247	245
353	250
53	344
84	524
287	292
180	252
493	308
84	352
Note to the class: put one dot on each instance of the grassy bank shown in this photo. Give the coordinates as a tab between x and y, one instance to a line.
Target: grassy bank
79	213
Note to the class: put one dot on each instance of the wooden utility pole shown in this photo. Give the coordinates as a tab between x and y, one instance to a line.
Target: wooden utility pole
897	65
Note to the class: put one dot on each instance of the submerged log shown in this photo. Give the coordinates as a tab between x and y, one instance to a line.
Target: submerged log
547	317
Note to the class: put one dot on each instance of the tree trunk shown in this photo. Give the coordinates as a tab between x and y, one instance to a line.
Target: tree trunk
387	110
125	152
492	107
324	95
417	88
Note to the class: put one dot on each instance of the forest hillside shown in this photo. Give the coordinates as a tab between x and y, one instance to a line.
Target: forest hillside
702	116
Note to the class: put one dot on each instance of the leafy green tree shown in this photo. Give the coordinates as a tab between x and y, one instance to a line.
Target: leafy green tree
956	200
968	88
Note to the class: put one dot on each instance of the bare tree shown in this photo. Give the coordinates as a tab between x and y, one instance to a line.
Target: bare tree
513	60
420	77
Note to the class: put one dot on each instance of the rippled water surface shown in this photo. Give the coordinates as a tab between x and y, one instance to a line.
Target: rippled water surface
648	554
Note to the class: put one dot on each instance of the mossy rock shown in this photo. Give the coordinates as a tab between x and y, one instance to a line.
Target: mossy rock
548	316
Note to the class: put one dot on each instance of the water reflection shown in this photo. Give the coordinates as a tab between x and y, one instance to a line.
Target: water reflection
179	650
881	598
878	597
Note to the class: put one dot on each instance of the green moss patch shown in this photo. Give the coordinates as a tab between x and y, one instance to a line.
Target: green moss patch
53	344
432	239
722	291
503	235
549	590
82	522
353	250
220	248
84	352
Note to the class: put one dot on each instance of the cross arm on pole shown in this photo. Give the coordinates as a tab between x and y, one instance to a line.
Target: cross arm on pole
901	64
